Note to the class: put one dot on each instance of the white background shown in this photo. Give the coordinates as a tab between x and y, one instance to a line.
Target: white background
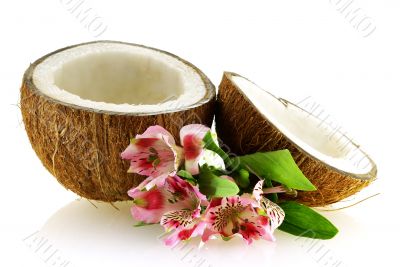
295	49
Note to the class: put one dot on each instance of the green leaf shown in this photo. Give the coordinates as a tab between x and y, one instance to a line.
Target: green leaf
211	145
301	220
213	185
242	178
187	176
140	224
277	166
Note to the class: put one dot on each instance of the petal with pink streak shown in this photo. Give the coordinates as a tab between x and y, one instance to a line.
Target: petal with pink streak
149	205
184	233
147	216
172	240
159	132
197	130
178	218
129	152
208	234
191	137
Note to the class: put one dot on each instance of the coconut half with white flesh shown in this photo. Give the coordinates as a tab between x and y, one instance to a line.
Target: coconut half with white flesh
249	119
82	104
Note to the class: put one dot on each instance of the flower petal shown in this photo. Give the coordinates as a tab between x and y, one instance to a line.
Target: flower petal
192	146
251	231
223	218
148	205
151	157
178	218
158	181
196	130
236	216
129	152
207	234
258	190
158	132
191	137
275	213
144	215
172	240
185	233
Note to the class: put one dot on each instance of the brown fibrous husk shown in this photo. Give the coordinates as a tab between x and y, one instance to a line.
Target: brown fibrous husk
244	130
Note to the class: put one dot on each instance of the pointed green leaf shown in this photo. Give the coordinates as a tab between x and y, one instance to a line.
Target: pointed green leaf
187	176
277	166
301	220
213	185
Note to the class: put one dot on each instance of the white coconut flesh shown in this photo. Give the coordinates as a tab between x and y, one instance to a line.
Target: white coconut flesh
119	77
309	133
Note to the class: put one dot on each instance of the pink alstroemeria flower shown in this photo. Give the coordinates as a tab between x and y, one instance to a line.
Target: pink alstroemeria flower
173	204
250	216
155	154
188	225
230	216
184	220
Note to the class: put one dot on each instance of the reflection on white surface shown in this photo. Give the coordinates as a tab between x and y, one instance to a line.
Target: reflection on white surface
105	236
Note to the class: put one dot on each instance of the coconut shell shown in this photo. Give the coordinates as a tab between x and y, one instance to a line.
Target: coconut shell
81	147
244	130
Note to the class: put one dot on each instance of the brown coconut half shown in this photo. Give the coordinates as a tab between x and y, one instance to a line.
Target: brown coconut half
82	104
249	119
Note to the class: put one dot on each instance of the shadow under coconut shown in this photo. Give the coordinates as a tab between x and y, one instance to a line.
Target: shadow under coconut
105	236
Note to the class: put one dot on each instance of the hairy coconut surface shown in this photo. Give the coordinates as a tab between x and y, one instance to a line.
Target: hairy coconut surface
82	104
249	119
